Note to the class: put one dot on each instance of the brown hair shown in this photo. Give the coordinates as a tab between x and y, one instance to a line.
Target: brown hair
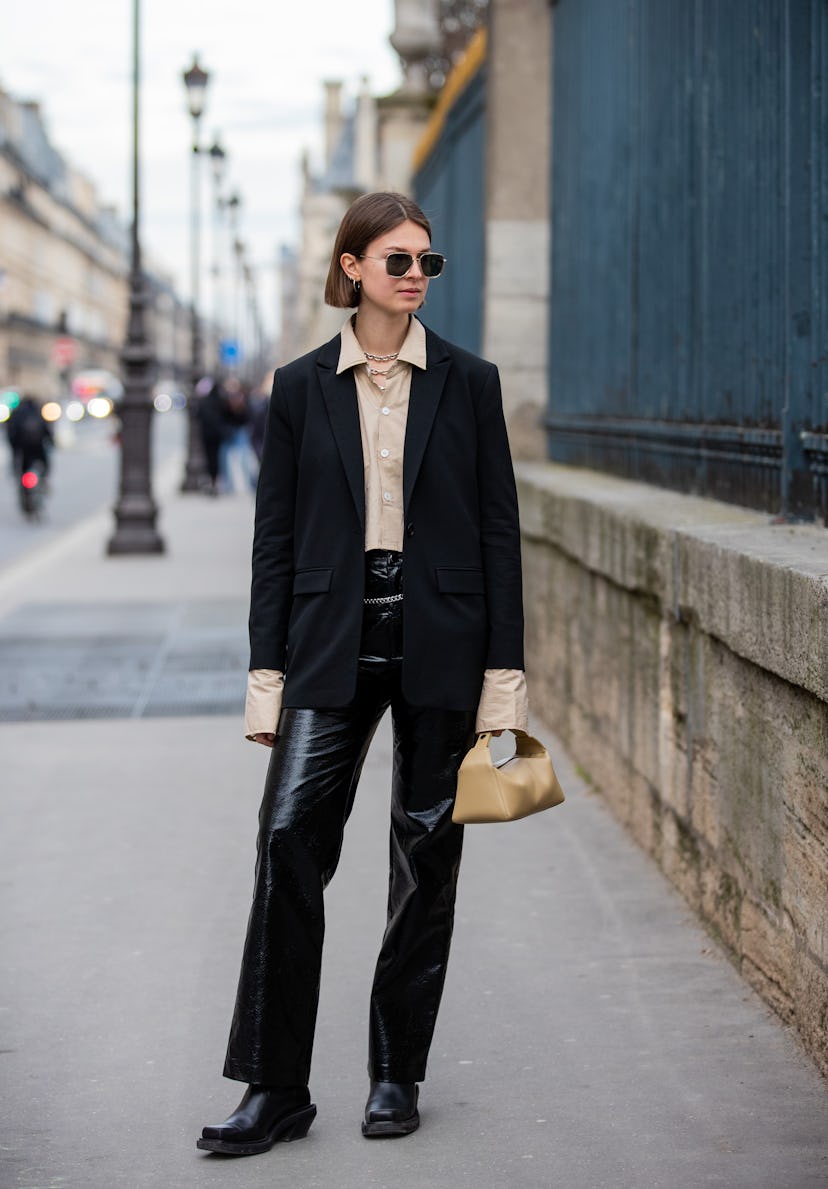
370	216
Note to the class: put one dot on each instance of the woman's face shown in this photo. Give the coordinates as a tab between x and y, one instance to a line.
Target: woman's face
392	295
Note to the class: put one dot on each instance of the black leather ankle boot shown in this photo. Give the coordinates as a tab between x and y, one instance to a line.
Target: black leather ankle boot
391	1110
265	1114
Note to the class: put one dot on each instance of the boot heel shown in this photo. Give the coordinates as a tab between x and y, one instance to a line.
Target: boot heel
299	1126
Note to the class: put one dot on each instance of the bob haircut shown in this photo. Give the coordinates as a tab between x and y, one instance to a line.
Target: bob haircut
370	216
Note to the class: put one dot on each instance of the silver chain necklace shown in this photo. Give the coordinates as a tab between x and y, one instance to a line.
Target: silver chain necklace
372	373
380	358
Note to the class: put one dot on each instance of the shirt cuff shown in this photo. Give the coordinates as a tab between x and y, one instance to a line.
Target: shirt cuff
504	701
263	703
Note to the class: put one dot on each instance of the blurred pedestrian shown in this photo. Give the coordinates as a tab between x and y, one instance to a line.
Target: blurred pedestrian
215	428
30	437
386	572
237	466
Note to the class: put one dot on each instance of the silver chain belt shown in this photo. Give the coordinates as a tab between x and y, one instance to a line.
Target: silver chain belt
397	598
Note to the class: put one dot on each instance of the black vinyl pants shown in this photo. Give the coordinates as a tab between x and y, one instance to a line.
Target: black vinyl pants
309	792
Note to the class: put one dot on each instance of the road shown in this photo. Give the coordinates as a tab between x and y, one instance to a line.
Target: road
84	479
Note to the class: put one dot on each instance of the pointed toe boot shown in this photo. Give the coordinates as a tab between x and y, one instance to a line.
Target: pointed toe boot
264	1116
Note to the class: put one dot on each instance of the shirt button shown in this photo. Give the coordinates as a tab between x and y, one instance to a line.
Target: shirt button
409	529
385	411
386	495
384	453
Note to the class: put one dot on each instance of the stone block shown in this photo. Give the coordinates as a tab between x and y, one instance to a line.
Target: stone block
721	897
517	262
744	725
810	994
681	858
575	511
524	421
703	795
763	592
516	332
644	814
804	843
519	80
767	950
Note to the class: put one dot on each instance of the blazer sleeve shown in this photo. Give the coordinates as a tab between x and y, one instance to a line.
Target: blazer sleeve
271	593
499	530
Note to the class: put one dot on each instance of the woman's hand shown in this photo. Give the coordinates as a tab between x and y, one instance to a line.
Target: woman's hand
267	738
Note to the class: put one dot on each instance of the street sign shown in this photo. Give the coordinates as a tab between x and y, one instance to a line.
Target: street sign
64	351
229	351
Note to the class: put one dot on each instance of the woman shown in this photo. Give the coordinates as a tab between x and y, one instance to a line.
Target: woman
386	572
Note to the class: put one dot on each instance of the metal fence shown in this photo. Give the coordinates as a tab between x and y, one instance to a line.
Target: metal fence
689	309
450	188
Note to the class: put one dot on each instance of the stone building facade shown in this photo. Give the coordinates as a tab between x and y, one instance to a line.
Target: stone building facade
370	144
63	268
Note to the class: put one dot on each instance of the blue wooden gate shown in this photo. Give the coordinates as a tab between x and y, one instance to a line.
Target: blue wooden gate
449	187
689	311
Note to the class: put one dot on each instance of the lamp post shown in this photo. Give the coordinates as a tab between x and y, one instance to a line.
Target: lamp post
233	204
217	159
252	337
195	80
238	301
135	511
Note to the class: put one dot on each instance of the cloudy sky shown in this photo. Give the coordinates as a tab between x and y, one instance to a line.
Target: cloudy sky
266	63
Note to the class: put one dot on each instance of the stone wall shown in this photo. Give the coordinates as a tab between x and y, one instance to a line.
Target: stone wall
680	648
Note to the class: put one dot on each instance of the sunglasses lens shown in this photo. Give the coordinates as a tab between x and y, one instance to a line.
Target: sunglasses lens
398	263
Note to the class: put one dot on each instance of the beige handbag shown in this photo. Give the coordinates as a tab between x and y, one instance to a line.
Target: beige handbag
510	789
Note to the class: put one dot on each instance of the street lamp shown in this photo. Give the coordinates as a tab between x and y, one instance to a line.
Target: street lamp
135	512
233	203
217	160
238	300
195	80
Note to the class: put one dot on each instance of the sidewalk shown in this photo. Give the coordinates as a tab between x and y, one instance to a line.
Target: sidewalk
591	1034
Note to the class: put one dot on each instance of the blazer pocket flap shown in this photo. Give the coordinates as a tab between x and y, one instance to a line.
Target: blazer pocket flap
312	581
460	581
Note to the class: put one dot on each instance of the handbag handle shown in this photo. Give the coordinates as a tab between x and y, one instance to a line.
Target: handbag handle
525	744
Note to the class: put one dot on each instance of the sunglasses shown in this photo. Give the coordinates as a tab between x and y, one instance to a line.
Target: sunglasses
397	264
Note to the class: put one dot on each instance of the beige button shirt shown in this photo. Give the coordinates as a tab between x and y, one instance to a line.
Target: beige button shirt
383	413
382	419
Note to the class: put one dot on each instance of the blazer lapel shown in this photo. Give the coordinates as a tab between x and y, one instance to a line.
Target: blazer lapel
339	392
426	390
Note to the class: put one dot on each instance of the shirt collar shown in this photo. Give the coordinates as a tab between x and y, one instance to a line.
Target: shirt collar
413	349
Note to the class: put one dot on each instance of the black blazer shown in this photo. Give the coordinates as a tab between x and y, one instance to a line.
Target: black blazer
463	610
